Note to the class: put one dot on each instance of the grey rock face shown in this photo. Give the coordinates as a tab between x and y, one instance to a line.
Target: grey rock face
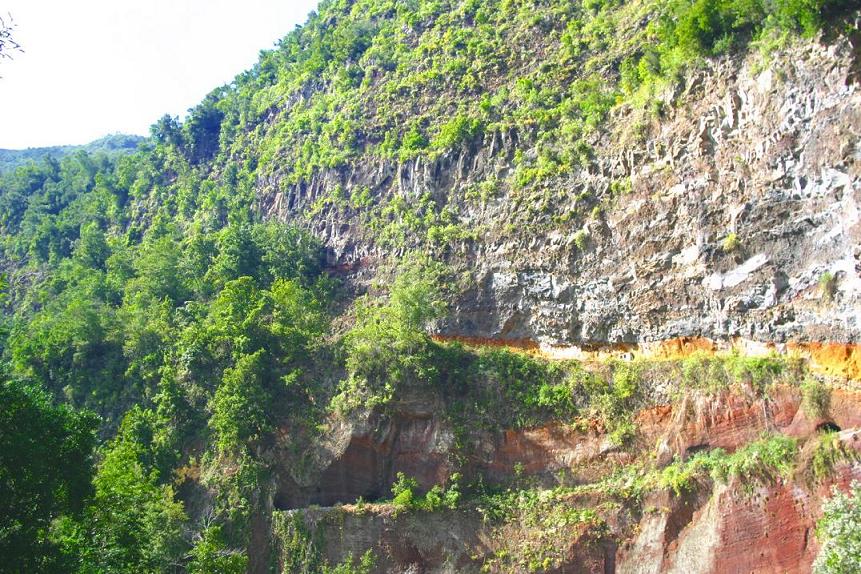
771	158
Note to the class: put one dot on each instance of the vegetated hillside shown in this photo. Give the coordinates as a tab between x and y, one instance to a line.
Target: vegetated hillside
110	144
454	286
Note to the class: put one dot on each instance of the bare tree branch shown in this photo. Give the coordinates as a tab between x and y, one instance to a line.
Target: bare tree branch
7	42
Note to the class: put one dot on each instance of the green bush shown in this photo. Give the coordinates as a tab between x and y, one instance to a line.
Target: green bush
365	565
730	243
210	555
815	399
389	344
404	495
514	388
238	407
614	402
766	459
715	373
761	461
828	451
414	140
457	131
46	468
403	492
839	533
827	286
581	237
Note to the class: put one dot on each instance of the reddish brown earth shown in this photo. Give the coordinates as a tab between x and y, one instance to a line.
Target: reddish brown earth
417	442
412	442
736	528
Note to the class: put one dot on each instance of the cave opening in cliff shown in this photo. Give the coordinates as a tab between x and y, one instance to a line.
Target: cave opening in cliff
363	471
319	496
827	426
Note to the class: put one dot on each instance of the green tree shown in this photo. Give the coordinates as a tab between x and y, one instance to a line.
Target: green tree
238	255
238	407
45	471
287	252
133	523
158	270
72	346
92	249
211	556
389	343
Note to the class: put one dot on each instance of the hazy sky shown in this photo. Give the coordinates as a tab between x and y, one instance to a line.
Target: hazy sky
93	67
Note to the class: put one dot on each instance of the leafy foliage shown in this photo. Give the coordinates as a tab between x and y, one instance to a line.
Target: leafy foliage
406	497
839	532
389	343
815	399
238	413
527	522
828	451
763	460
133	524
211	555
299	550
144	285
45	472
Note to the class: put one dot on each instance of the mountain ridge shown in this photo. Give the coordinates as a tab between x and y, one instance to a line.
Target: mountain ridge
110	144
455	286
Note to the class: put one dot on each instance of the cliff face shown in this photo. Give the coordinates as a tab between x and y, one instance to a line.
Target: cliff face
757	523
734	215
729	224
464	286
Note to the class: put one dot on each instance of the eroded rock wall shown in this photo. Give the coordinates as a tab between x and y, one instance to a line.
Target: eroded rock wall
738	526
771	156
731	223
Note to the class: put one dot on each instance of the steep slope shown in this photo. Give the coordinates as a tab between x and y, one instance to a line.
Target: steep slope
460	286
768	158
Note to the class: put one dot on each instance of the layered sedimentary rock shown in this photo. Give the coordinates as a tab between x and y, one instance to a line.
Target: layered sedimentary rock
729	225
735	526
770	159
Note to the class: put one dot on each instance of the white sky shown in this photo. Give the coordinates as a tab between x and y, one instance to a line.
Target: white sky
93	67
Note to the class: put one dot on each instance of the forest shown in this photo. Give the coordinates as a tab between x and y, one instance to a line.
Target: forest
160	329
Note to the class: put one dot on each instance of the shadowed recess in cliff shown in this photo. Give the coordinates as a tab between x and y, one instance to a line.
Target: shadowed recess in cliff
368	466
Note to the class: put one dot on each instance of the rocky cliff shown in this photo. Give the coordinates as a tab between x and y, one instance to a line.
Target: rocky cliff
600	507
734	215
460	286
728	224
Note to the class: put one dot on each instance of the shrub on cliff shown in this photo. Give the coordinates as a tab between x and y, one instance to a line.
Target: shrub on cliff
761	461
706	27
839	531
829	451
405	496
211	554
815	398
389	342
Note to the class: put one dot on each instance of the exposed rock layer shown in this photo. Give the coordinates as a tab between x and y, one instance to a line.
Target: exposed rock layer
771	158
736	527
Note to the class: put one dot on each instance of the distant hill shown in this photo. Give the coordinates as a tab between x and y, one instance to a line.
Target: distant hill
110	144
